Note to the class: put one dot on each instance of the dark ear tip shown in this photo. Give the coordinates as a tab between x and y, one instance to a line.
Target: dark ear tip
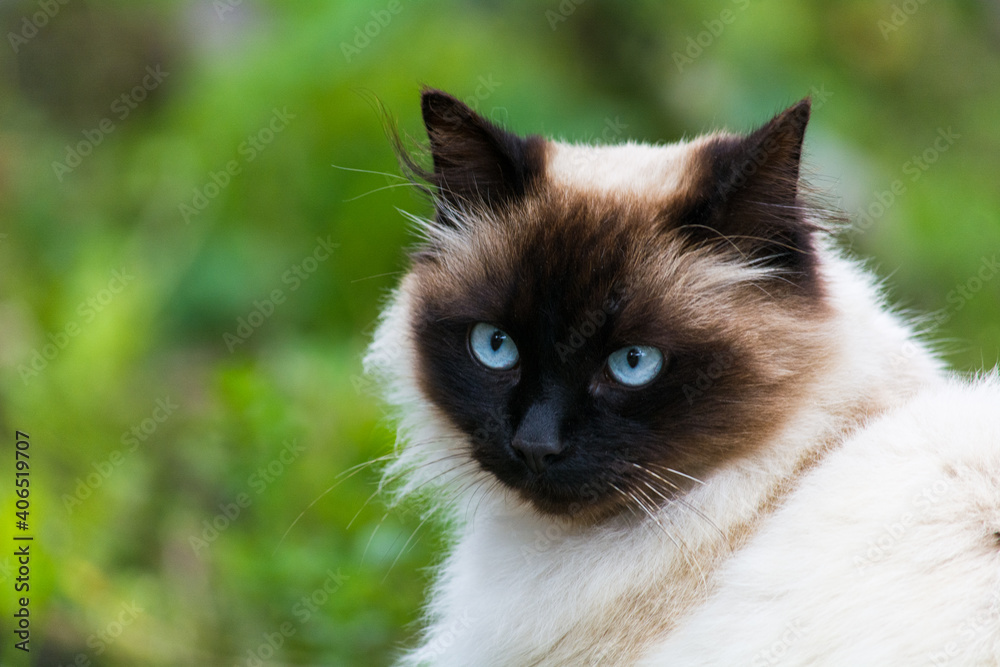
790	124
432	99
430	95
439	108
797	115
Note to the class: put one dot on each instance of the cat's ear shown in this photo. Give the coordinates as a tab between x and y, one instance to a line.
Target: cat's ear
750	198
475	161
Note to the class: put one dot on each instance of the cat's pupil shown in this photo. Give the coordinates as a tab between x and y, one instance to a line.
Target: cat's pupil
633	357
497	339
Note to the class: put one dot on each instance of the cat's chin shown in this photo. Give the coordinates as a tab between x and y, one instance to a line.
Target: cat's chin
594	505
582	496
577	513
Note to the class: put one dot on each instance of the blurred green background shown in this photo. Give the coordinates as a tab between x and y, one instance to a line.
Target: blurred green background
189	272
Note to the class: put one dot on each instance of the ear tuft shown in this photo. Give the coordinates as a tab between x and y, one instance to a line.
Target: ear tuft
475	161
749	196
777	146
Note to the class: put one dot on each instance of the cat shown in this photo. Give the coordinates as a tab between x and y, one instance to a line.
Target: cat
668	422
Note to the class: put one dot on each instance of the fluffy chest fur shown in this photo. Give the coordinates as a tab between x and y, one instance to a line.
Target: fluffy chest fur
665	419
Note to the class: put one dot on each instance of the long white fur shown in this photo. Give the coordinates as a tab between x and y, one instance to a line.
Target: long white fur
517	587
885	555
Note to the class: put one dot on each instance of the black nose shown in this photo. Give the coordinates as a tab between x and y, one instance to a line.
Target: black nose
537	440
538	455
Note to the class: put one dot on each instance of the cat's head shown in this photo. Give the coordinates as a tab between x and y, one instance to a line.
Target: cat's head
594	326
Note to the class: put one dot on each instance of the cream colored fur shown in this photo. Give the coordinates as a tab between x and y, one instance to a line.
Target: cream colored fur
790	557
886	554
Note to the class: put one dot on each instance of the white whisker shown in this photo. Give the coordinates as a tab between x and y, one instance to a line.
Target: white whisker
384	187
405	545
369	171
685	551
681	501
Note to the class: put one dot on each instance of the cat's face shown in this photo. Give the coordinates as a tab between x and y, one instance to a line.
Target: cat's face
605	324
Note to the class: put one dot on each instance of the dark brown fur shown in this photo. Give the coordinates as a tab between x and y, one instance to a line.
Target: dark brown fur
535	260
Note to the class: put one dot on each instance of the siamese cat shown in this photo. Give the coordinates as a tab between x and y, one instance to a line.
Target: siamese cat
668	422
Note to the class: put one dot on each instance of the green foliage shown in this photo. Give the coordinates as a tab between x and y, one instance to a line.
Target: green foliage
217	198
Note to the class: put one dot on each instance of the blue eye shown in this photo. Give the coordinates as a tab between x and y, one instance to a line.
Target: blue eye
493	347
635	365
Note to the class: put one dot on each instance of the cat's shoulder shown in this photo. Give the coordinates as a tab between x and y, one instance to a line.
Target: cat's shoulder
916	485
943	444
888	551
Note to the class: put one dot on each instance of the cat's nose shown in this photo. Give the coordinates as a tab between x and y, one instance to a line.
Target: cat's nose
537	454
537	441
